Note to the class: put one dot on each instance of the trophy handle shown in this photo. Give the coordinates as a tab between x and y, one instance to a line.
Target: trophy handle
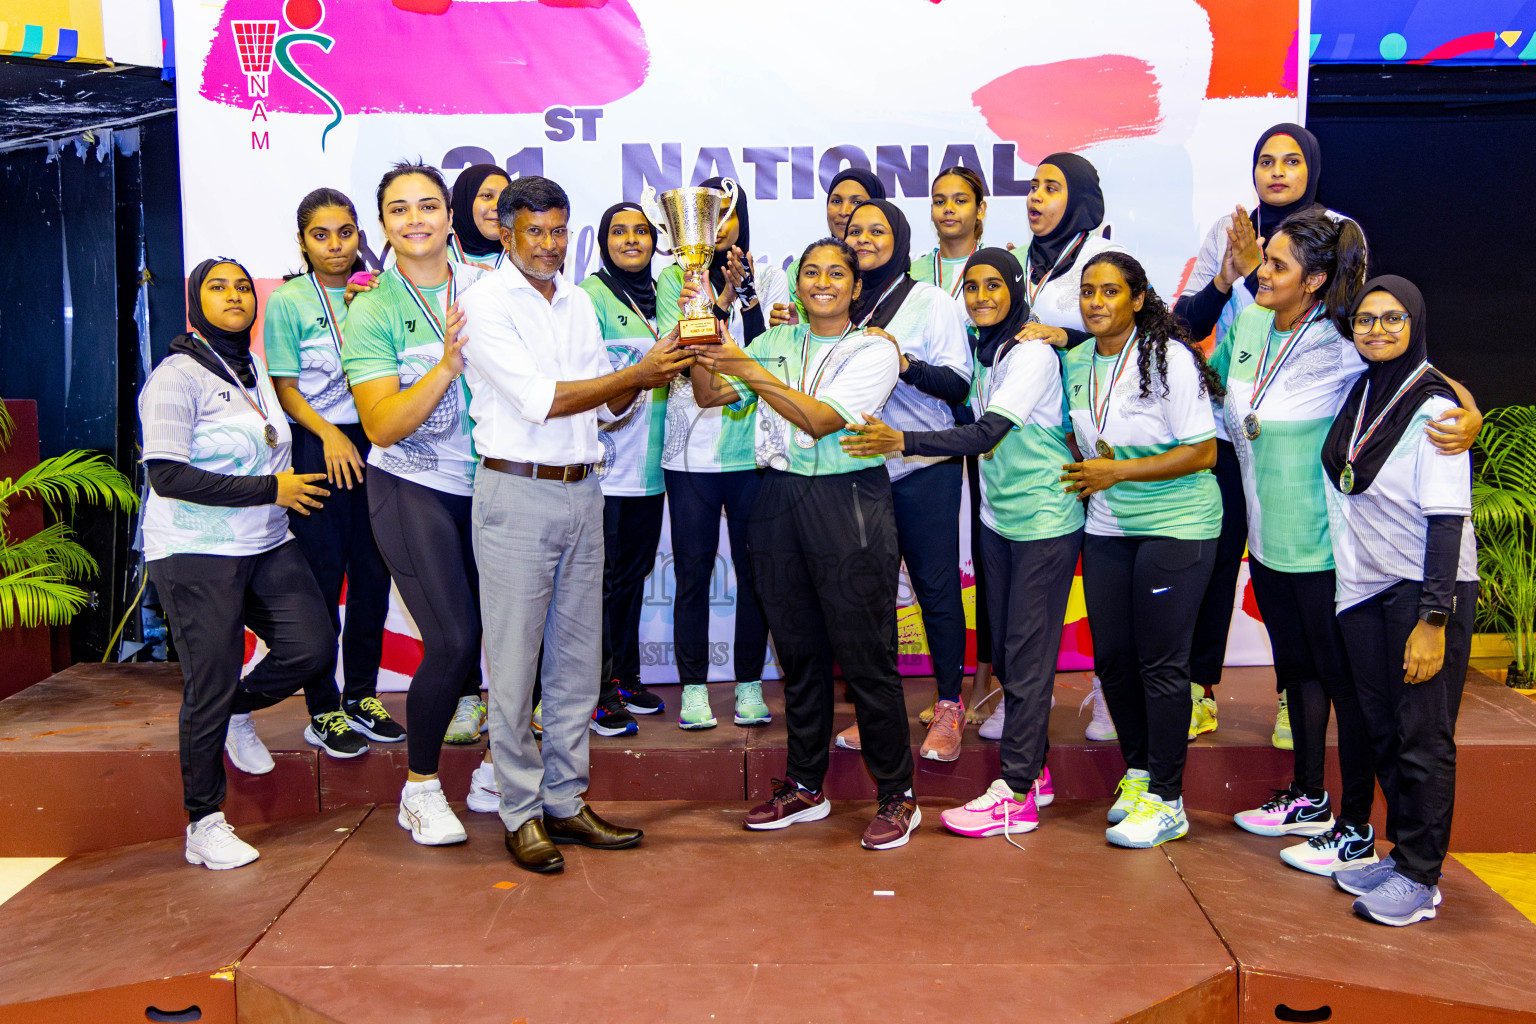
728	186
652	212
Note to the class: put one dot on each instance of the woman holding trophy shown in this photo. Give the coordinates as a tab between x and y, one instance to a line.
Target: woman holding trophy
824	547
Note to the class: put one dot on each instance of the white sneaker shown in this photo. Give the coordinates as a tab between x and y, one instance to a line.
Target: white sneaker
992	728
425	812
1152	822
1102	728
212	843
1131	788
468	720
245	748
484	795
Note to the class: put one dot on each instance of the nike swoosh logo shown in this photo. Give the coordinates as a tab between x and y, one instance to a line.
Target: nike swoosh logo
1161	590
1353	850
1312	814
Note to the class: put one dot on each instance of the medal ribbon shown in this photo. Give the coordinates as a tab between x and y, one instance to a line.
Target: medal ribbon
424	305
876	306
330	314
1269	371
258	403
1067	254
805	359
1355	446
1101	412
938	271
654	335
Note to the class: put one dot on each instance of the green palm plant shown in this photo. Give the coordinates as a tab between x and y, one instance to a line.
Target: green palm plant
37	573
1504	512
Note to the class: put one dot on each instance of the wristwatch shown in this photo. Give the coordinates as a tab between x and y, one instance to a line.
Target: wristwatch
1436	617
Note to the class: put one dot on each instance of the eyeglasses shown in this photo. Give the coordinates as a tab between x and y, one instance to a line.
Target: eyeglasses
1392	323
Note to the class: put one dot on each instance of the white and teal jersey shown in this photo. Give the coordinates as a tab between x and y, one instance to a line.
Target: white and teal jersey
457	254
388	334
298	341
716	440
1022	497
1282	469
1379	533
1188	507
191	415
950	270
631	465
853	375
928	327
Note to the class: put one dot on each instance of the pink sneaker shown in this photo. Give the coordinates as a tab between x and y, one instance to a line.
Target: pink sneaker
993	813
1288	813
1044	794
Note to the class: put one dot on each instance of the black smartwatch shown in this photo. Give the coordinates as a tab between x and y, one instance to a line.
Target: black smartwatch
1436	617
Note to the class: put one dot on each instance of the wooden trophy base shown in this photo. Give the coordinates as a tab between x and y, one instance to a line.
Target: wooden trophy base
699	330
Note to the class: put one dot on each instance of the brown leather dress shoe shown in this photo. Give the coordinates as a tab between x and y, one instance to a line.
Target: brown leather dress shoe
588	829
531	848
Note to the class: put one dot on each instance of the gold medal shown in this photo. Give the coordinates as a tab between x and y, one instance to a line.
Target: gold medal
271	435
1347	478
1104	450
804	439
1251	426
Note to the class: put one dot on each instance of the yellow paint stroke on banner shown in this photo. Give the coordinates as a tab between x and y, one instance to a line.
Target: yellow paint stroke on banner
45	29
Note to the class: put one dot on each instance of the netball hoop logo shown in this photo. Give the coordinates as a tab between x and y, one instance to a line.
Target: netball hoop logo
259	45
254	41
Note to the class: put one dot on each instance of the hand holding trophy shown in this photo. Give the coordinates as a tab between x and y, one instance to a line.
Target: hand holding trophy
686	221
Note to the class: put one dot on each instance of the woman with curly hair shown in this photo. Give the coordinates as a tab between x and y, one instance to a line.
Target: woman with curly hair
1153	516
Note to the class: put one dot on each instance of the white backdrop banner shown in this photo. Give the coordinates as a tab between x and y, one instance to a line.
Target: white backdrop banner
1165	97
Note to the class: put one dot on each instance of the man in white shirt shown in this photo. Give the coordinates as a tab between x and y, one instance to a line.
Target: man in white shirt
539	381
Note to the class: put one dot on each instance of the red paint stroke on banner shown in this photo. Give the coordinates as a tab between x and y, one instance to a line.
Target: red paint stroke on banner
1253	49
1458	47
477	58
1071	104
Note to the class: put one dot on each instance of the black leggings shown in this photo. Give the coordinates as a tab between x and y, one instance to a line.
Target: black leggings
1142	595
1214	622
631	533
984	653
424	535
1313	670
209	600
927	508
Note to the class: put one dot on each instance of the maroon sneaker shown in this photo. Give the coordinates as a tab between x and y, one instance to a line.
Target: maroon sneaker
788	805
894	823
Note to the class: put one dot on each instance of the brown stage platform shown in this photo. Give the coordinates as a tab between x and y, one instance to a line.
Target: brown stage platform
88	760
706	922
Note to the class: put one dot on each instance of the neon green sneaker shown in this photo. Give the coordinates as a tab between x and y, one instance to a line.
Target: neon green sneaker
696	712
750	709
1131	789
1281	740
468	720
1202	711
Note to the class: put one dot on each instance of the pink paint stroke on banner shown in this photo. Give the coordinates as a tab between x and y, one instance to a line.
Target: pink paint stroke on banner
481	58
1070	104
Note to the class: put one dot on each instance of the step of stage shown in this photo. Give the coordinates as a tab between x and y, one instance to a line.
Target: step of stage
88	760
136	933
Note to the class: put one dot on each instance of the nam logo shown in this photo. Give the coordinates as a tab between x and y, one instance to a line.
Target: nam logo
260	43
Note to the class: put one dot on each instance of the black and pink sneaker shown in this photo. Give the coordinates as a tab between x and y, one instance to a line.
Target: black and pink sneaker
1288	813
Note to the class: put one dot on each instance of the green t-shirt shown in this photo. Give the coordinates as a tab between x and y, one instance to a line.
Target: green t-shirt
1187	507
950	270
1021	490
631	465
854	375
1282	466
699	440
297	337
387	333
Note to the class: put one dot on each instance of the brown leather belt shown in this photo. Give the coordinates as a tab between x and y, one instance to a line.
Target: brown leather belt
565	474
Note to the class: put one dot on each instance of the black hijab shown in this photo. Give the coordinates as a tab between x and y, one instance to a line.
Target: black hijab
893	270
751	319
1085	212
234	348
461	201
990	340
636	285
1267	217
1384	379
873	187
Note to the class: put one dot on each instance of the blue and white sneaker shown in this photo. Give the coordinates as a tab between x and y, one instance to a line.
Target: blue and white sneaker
1399	901
1357	881
1346	846
1152	822
1288	813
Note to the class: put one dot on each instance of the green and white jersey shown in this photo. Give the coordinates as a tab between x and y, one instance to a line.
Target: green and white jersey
631	465
301	336
928	327
457	254
950	274
719	440
389	333
1055	301
1188	507
1378	534
1022	497
1282	471
854	374
191	415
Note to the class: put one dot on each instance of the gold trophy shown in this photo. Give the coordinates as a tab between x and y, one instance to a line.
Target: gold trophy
686	222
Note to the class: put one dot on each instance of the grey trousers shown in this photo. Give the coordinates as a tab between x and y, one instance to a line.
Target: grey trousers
539	545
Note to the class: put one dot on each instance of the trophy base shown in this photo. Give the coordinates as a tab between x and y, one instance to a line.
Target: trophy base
699	330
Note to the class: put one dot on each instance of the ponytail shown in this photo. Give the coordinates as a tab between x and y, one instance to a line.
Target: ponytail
1334	247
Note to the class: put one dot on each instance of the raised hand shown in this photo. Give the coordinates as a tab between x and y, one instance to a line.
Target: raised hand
783	313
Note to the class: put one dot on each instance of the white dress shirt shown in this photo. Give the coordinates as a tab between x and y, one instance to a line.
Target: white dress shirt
520	346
